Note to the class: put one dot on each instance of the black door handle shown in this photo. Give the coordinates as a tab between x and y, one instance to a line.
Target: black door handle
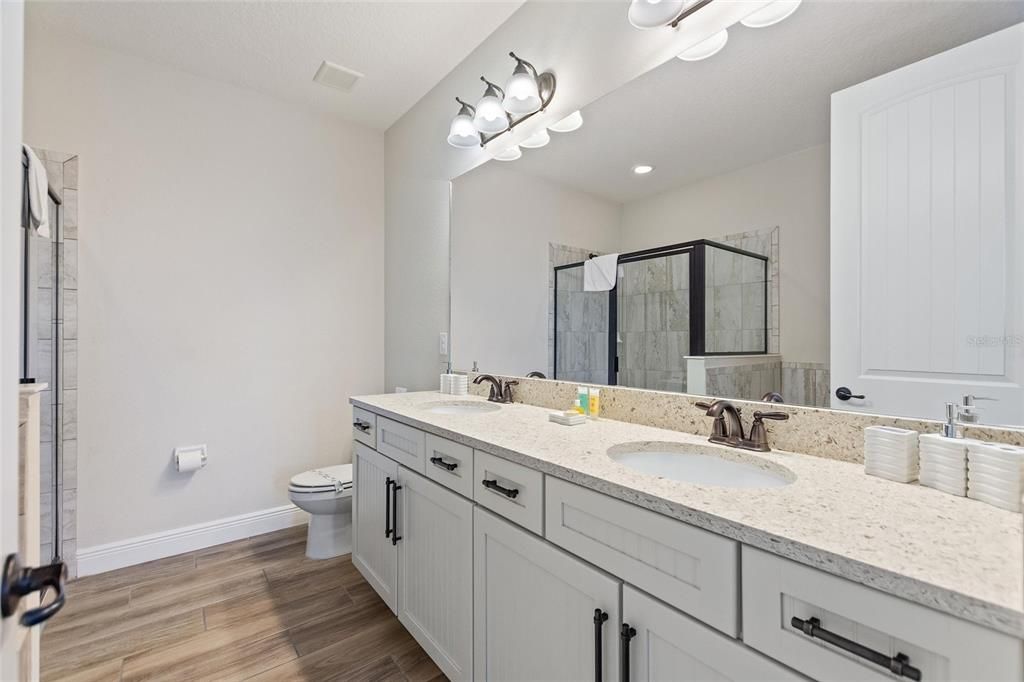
395	537
361	425
899	664
439	462
626	634
510	493
19	581
843	393
600	617
387	507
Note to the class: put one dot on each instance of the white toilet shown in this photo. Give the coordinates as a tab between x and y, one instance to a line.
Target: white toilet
325	493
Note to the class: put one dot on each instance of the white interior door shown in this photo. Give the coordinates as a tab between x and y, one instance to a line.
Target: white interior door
11	29
927	233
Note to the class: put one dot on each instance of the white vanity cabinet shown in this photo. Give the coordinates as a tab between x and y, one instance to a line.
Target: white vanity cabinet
435	571
535	609
373	552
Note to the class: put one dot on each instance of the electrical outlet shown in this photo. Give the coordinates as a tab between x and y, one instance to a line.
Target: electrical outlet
443	345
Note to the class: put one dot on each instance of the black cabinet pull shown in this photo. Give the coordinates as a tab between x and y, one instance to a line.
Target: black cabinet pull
19	582
439	462
626	634
361	425
843	393
898	664
395	537
600	617
510	493
387	507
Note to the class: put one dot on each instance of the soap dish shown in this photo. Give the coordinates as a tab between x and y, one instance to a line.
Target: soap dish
567	418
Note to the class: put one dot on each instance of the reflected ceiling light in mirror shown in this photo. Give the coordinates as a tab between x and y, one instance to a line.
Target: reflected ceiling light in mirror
647	14
771	14
510	154
642	169
708	47
490	117
568	124
463	133
537	140
522	94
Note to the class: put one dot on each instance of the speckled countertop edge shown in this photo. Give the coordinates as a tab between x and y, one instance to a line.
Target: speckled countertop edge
953	599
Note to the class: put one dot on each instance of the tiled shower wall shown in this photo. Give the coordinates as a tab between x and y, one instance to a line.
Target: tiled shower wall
750	380
737	307
582	320
62	427
806	383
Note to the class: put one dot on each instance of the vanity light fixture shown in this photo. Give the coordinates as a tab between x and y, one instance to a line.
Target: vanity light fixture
568	124
647	14
642	169
510	154
499	111
708	47
537	140
771	14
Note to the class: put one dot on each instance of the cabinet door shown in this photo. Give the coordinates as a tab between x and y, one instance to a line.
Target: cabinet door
373	552
435	568
534	609
670	646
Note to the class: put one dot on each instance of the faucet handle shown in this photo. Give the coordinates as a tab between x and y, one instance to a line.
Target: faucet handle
778	416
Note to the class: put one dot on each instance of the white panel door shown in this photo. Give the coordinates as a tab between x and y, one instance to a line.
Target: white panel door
374	553
435	570
670	646
534	609
927	233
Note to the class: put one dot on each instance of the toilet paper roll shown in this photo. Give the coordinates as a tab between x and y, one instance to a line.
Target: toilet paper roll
190	460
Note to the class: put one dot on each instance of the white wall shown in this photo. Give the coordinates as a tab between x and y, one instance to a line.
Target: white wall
593	50
502	222
791	192
231	284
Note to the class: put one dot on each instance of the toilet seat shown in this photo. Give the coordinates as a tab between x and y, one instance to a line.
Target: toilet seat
334	479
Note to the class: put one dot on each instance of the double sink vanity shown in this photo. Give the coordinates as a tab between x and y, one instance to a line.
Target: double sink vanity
515	548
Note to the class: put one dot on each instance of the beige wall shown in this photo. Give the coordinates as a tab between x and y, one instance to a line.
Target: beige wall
791	192
231	284
502	223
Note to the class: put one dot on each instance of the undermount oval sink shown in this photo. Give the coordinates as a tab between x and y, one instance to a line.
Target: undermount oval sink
461	407
702	466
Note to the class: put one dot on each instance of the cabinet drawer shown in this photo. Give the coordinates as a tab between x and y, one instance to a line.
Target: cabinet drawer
364	426
450	464
512	490
940	646
402	443
691	569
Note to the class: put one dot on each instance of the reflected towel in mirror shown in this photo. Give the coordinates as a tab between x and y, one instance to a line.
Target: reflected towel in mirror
599	272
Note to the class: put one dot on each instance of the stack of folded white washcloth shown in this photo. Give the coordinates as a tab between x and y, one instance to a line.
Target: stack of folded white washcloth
944	463
454	384
995	474
567	418
891	453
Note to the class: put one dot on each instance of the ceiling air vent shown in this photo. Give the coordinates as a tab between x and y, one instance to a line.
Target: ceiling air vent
337	77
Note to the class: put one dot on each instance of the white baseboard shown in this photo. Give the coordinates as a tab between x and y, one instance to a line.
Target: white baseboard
102	558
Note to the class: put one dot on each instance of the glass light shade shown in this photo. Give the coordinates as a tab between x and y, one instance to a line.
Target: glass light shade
463	134
521	94
537	140
705	48
569	123
771	14
490	117
655	13
510	154
642	169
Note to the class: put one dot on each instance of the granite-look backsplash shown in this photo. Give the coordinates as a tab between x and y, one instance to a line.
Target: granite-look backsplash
831	434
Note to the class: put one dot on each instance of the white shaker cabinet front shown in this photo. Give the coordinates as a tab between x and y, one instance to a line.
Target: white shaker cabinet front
435	571
535	609
374	552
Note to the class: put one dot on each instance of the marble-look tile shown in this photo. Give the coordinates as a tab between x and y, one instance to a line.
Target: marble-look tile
679	271
633	280
69	256
70	208
55	174
728	310
69	314
44	313
43	250
658	275
753	306
677	310
752	341
631	313
45	466
69	554
728	267
635	345
46	415
654	312
563	311
655	350
69	457
69	515
71	173
68	414
595	312
45	515
44	361
69	364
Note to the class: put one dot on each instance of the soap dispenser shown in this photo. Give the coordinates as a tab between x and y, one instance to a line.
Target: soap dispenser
951	428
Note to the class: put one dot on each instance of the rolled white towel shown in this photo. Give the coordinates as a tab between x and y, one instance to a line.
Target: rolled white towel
38	193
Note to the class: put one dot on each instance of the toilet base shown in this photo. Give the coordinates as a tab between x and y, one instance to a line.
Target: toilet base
329	535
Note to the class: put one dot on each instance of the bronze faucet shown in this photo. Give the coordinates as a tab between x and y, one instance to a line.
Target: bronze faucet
500	393
728	426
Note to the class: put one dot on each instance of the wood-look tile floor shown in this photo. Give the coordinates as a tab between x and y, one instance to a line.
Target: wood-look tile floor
253	609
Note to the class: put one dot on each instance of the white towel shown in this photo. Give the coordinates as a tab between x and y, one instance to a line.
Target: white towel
38	194
599	273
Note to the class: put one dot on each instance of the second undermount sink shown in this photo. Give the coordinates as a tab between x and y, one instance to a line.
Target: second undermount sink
702	466
461	407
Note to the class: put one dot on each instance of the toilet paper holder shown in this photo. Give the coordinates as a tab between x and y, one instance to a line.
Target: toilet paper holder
190	458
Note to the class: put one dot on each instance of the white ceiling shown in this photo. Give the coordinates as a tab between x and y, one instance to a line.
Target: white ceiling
765	95
402	48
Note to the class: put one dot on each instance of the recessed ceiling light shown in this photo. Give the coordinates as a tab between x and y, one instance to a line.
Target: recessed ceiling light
336	76
642	169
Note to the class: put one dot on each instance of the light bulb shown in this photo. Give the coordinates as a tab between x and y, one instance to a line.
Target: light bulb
705	48
462	133
655	13
490	117
771	14
522	96
569	123
537	140
510	154
642	169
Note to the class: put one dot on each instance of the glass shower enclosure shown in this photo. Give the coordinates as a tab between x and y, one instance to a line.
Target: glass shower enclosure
698	298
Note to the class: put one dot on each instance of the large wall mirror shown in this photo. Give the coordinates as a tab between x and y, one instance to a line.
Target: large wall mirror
832	215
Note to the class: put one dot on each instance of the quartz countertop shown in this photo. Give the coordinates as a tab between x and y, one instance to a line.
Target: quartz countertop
953	554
